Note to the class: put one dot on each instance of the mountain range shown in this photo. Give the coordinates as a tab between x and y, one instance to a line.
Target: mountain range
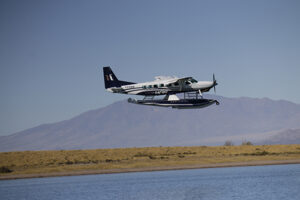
261	121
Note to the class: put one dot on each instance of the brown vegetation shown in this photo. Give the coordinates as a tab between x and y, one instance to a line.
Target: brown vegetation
35	162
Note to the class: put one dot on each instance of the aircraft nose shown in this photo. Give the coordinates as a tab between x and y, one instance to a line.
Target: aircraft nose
196	86
203	85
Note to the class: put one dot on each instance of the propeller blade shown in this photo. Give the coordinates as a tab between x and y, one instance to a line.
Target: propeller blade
215	82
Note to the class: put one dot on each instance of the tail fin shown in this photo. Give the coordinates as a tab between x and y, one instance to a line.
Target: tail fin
110	79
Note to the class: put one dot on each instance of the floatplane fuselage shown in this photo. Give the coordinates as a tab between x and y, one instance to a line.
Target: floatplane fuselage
163	85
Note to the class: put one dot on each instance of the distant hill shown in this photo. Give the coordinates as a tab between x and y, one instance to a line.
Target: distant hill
289	136
127	125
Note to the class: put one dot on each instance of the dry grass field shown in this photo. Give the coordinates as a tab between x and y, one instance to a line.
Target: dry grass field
38	162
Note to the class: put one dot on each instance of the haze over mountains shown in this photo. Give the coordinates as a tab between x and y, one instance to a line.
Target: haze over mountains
261	121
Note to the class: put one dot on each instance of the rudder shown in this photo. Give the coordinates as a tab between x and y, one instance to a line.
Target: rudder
110	79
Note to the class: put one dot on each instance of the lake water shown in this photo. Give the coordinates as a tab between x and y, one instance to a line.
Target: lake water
259	182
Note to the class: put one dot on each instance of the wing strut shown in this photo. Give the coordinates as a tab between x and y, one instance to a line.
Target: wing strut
200	93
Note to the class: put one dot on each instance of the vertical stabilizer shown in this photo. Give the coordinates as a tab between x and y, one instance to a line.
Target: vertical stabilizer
110	79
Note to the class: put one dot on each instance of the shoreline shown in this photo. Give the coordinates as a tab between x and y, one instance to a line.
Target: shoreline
151	169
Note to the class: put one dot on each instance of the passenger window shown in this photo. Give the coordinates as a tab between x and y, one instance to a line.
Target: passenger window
150	86
155	86
162	85
144	86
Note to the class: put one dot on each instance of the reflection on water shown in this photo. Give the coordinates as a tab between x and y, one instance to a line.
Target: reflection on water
260	182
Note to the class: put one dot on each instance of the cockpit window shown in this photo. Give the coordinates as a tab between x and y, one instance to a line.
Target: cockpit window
187	82
193	80
176	83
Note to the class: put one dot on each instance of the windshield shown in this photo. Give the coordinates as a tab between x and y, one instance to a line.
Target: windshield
193	80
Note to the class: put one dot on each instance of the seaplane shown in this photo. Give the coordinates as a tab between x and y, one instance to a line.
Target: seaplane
163	85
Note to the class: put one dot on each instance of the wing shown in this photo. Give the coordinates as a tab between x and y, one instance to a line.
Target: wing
181	80
164	78
184	79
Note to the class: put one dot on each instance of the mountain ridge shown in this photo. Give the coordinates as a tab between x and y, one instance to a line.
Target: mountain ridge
121	124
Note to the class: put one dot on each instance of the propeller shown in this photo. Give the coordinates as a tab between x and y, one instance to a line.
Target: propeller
215	82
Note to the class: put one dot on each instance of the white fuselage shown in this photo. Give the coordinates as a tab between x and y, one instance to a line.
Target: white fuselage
162	86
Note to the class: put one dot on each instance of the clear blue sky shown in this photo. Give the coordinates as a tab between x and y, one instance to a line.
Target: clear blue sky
52	52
